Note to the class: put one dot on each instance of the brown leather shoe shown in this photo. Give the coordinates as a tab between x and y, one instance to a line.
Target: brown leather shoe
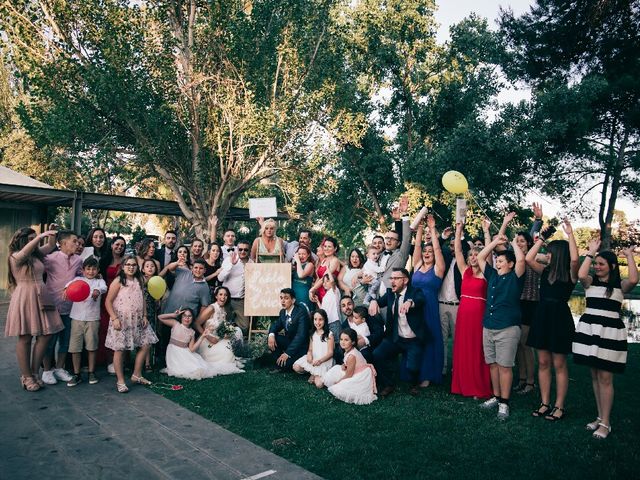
386	391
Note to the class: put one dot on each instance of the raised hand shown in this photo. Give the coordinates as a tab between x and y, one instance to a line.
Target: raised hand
446	233
459	230
508	217
537	210
404	204
431	222
628	252
234	257
48	233
594	245
486	223
566	226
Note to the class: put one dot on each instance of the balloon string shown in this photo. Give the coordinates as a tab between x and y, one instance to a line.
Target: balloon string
475	199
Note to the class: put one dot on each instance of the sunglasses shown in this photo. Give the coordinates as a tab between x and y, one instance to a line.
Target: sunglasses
243	249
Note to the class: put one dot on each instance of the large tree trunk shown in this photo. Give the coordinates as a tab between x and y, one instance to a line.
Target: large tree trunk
608	205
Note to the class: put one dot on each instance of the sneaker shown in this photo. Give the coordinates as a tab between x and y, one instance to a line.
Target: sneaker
503	411
62	375
75	380
48	377
93	379
110	369
492	402
528	388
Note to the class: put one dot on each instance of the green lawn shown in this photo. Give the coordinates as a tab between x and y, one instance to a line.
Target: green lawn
436	435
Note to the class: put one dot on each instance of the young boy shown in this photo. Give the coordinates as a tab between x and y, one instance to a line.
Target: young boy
85	322
372	269
501	322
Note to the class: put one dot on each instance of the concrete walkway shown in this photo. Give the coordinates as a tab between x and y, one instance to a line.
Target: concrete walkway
91	431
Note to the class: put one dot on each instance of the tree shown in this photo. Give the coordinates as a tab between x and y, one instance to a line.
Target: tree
581	59
211	97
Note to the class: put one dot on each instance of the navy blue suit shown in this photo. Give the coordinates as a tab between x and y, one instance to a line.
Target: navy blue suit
376	334
386	353
294	339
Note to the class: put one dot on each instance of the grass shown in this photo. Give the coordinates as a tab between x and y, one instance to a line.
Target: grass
436	435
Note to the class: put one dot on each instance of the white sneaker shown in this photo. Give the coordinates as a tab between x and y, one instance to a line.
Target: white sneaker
48	377
62	375
110	369
492	402
503	411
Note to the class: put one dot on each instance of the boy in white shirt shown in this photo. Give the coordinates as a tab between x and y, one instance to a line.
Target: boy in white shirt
85	322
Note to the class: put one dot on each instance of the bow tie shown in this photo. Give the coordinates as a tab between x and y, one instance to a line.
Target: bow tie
230	249
387	252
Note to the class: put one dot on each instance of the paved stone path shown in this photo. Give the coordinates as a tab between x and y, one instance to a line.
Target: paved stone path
91	431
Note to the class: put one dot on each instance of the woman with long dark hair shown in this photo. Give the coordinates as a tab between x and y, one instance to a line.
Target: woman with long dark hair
552	327
95	244
30	312
601	337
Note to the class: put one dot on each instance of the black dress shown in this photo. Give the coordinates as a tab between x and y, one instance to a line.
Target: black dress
553	328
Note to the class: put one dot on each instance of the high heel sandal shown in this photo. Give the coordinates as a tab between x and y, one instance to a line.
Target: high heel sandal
122	387
29	383
602	436
593	426
140	380
554	418
538	413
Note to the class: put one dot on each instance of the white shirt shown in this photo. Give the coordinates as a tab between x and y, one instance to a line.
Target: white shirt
404	330
447	291
232	276
89	309
167	256
362	330
225	251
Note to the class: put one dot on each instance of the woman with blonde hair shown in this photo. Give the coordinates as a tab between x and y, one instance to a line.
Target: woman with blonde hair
268	247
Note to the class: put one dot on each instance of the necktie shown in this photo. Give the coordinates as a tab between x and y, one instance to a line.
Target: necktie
287	322
396	305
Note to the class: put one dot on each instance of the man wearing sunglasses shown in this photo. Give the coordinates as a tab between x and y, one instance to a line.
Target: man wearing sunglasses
232	276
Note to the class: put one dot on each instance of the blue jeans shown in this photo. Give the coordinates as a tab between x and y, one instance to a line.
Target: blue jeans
385	355
61	338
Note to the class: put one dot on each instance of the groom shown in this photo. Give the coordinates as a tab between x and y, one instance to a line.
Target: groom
289	334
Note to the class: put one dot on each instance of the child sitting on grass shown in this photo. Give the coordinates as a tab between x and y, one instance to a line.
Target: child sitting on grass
319	357
501	321
85	322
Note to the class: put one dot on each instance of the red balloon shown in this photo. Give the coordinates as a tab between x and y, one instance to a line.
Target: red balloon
78	291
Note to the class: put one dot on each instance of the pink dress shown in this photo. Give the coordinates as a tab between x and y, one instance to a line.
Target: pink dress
129	307
25	316
471	376
360	388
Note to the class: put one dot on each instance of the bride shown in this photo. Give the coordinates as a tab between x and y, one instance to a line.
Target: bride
214	349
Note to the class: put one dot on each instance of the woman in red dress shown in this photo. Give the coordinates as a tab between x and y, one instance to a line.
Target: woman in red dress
471	376
109	268
329	263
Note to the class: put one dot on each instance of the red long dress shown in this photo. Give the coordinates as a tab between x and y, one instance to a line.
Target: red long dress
471	376
104	356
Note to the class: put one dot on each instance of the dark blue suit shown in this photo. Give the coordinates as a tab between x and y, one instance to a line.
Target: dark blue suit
385	354
294	339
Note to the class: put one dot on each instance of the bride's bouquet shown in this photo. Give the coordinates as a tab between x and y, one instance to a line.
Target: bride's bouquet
225	330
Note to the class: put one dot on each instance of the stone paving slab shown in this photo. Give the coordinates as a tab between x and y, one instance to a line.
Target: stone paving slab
91	431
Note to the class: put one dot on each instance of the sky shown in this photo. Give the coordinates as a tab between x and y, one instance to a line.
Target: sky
452	11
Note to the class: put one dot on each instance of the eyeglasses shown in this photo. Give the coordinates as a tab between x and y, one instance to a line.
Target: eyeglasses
391	238
243	249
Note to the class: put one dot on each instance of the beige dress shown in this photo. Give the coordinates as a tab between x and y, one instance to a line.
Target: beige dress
25	316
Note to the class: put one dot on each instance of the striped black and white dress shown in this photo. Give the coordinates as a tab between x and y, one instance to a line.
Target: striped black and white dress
601	338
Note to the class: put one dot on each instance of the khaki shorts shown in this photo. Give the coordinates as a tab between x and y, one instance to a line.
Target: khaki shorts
83	333
500	346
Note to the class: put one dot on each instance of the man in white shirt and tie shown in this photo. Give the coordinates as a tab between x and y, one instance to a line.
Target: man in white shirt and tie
232	276
228	243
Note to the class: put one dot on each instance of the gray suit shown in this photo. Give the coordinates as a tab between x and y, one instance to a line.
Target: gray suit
398	258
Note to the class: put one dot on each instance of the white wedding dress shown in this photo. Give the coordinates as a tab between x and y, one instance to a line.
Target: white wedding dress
221	353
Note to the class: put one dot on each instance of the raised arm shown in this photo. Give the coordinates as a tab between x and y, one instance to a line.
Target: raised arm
486	225
28	249
573	249
437	251
520	263
486	251
169	319
460	260
171	267
531	258
583	272
505	222
417	251
632	280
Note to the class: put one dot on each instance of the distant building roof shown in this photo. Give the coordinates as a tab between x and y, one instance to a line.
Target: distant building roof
11	177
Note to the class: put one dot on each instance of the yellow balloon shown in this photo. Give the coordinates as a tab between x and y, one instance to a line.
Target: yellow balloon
455	182
156	286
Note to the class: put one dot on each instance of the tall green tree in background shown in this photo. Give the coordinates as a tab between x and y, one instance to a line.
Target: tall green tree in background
581	60
213	97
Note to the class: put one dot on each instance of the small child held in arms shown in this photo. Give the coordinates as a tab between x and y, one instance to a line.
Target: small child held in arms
319	357
359	324
372	269
85	322
502	315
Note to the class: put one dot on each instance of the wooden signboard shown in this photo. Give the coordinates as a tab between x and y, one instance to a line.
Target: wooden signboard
262	285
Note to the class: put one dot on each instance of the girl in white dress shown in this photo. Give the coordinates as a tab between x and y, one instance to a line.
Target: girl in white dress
319	357
215	350
354	381
181	359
